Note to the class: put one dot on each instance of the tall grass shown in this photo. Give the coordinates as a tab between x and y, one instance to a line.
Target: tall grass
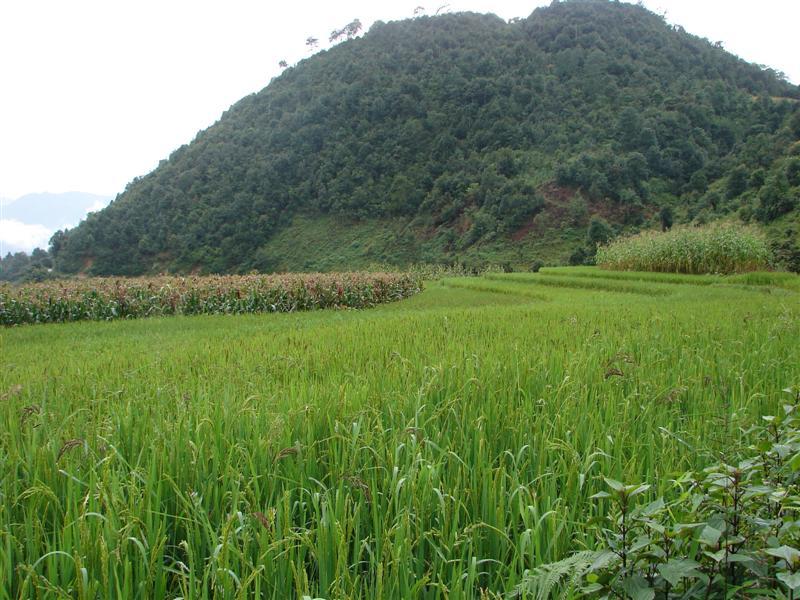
436	448
718	249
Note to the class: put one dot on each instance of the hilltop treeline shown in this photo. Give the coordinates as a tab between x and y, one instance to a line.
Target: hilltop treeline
456	124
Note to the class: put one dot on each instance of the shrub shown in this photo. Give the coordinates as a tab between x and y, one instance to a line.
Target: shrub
712	249
730	531
793	171
580	257
535	266
736	183
598	232
775	198
666	218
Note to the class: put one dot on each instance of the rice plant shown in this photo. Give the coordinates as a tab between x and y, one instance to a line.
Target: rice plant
442	447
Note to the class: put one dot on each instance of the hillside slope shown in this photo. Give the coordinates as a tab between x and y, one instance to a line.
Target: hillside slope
463	135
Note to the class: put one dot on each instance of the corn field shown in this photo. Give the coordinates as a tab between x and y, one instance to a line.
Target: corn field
693	250
102	299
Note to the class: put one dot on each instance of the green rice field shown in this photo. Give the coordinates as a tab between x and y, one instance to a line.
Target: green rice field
439	447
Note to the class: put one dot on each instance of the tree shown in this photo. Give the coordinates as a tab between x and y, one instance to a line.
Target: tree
698	182
793	171
56	241
775	198
794	124
666	218
787	251
20	267
737	182
578	211
283	64
757	179
353	28
312	42
349	31
599	232
629	128
579	257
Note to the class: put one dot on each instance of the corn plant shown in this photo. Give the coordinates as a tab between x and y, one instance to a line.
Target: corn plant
111	298
695	250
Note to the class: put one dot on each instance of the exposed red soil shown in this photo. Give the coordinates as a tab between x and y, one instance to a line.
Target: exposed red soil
523	231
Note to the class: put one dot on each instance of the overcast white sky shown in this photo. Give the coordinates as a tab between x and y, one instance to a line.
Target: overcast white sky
96	92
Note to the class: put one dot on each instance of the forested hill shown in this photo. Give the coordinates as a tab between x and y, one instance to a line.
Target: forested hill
462	136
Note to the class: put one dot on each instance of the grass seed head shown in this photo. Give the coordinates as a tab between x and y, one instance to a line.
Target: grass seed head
262	518
14	390
359	483
290	451
28	412
69	445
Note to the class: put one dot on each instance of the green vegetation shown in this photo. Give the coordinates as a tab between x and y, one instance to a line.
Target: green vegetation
103	299
331	243
730	530
439	138
760	278
694	250
445	446
20	266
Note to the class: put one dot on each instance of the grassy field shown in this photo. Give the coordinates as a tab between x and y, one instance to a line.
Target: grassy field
437	447
332	244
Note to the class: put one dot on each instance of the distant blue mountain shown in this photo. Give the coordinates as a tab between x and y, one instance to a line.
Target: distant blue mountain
54	211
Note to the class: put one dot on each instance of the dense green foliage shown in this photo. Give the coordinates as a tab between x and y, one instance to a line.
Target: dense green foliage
469	132
103	299
20	266
433	448
694	250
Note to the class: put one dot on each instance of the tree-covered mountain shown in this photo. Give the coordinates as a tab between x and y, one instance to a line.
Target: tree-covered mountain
29	219
439	138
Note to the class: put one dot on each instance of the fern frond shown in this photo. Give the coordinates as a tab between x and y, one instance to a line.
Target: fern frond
558	579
